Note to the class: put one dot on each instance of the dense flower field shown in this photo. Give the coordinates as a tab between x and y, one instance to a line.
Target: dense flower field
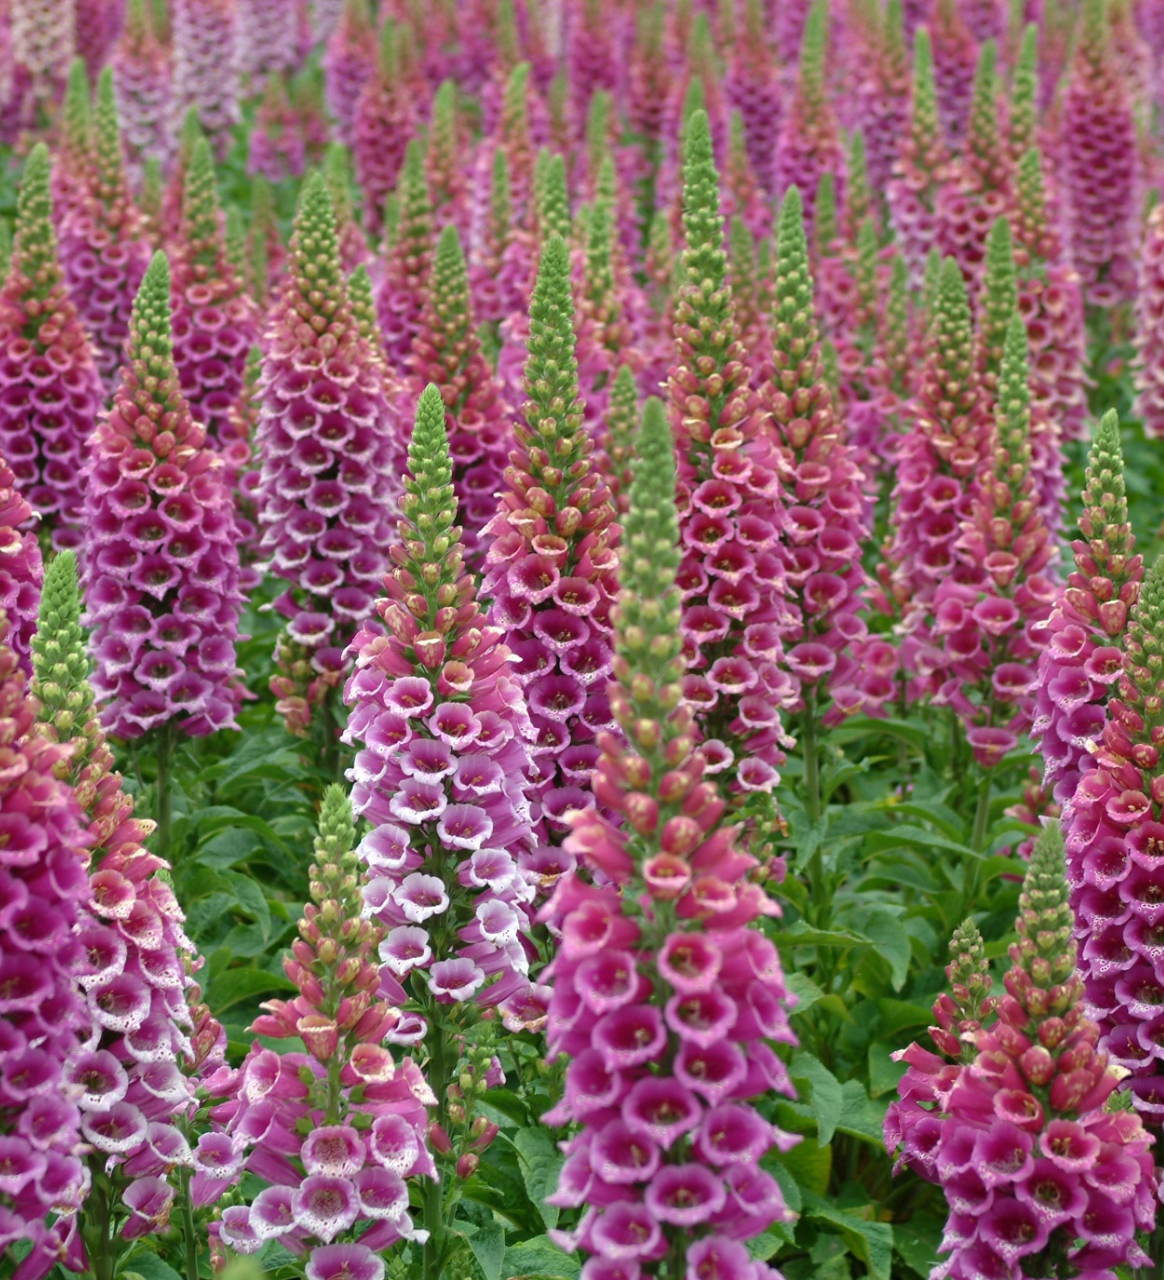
581	644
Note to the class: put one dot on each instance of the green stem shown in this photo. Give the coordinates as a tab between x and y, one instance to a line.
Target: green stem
434	1201
191	1236
330	754
811	763
981	816
165	797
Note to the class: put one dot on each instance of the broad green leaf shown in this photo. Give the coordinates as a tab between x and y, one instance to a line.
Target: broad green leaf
810	1164
861	1117
539	1259
883	926
236	985
488	1245
871	1242
539	1161
884	1073
826	1098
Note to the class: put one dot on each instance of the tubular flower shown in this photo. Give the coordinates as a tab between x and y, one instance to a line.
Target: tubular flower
407	262
955	56
444	164
946	448
808	145
104	249
976	191
352	241
989	618
329	462
215	321
1113	833
21	567
1150	327
206	72
447	352
268	40
442	770
43	34
618	437
883	95
161	556
1100	165
1080	662
133	1090
922	158
665	994
753	88
141	80
44	1020
278	145
50	390
241	471
825	520
730	513
98	23
550	567
1051	303
1018	1136
382	123
349	62
342	1125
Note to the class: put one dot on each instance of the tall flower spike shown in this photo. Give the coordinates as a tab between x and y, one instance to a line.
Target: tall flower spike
137	1149
447	352
444	164
382	123
883	95
826	517
268	40
43	34
1051	301
550	570
955	55
52	390
1100	165
1149	338
408	261
920	168
45	1021
74	150
1080	665
808	144
1036	1088
729	505
343	1125
353	244
348	64
989	617
652	1166
1024	103
104	249
141	78
330	462
21	567
161	555
206	71
621	430
215	321
451	824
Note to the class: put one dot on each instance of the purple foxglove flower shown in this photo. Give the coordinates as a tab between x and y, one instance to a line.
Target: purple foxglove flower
160	549
44	1021
51	390
383	121
141	80
400	296
278	148
268	40
21	568
753	88
644	997
458	777
43	35
955	56
104	250
206	69
349	62
329	470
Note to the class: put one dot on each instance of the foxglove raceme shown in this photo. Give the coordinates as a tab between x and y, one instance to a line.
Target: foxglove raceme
1081	661
45	1020
753	88
43	34
989	617
21	567
550	566
278	142
382	123
730	514
132	1077
825	511
334	1131
1150	327
104	249
883	95
50	390
268	40
206	72
329	462
955	55
665	995
443	768
447	352
161	555
1018	1136
215	321
1100	165
141	79
407	264
348	64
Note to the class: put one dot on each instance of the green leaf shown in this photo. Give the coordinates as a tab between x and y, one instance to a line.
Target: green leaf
810	1164
233	986
801	935
871	1242
539	1161
882	924
918	736
488	1245
916	1242
539	1259
884	1073
806	991
149	1266
897	1015
918	838
825	1089
861	1117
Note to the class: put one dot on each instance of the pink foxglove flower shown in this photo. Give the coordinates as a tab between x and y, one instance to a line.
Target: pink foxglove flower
407	265
336	1131
268	40
442	773
348	64
141	79
206	70
1081	662
382	124
21	567
44	34
955	55
665	995
51	390
161	555
329	463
